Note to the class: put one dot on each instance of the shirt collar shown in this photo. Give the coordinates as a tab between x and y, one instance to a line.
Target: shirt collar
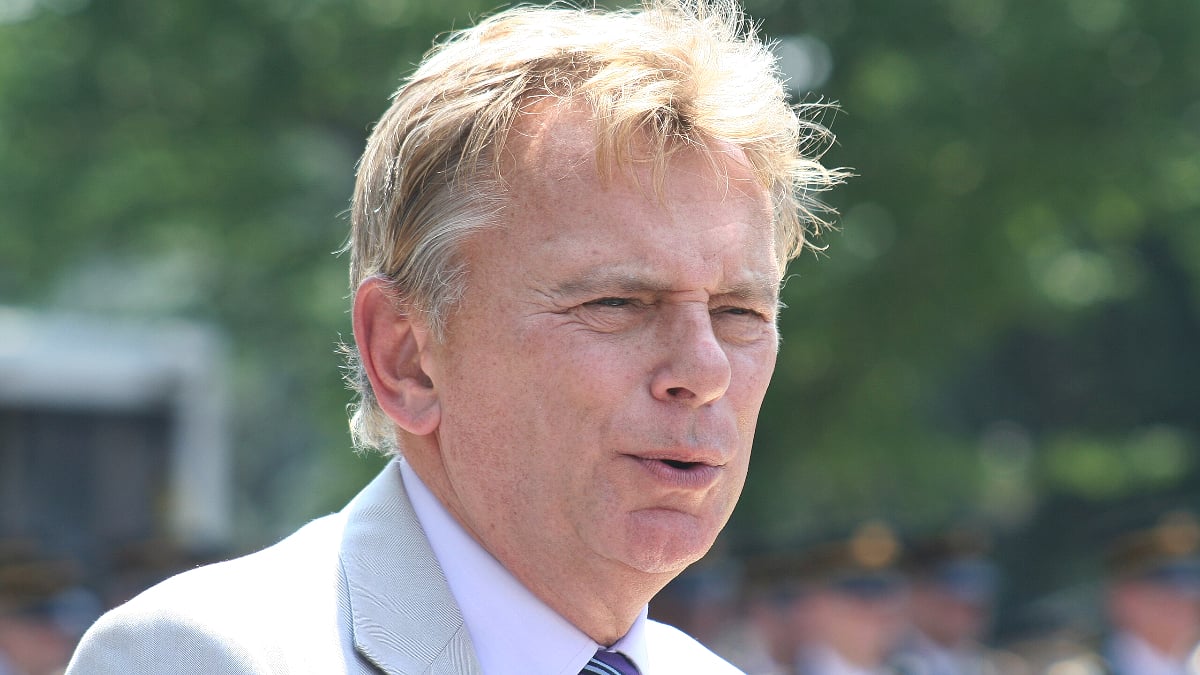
512	630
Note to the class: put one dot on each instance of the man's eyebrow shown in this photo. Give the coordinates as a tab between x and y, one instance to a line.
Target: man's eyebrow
609	281
756	288
759	289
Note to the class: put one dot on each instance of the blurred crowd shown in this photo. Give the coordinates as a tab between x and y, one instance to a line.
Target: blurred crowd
870	603
43	610
866	603
47	601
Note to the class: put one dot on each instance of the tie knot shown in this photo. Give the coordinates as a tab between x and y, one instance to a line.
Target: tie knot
609	663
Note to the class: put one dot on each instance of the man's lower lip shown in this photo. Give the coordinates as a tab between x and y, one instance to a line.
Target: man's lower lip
681	475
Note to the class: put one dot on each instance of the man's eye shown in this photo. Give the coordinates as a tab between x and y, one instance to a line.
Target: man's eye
610	302
740	311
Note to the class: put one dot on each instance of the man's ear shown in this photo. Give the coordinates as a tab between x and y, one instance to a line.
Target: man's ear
390	344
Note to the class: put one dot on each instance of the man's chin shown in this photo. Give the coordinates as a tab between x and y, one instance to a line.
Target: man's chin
662	541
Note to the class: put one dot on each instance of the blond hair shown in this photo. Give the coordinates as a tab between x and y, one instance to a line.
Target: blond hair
676	73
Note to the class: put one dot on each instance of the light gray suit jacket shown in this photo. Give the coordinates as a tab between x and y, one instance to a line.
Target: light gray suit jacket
358	592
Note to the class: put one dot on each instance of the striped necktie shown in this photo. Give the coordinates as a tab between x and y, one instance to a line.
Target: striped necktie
609	663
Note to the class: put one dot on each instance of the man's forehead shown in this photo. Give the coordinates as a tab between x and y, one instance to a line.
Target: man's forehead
551	174
550	139
554	139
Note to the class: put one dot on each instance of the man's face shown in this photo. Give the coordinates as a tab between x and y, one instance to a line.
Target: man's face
600	379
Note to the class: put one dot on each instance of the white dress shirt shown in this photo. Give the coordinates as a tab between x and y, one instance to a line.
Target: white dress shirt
514	632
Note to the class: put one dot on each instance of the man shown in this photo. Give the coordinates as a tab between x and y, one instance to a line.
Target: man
776	612
568	235
952	585
854	604
1153	599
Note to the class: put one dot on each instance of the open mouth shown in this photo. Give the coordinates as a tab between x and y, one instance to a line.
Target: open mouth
680	474
676	464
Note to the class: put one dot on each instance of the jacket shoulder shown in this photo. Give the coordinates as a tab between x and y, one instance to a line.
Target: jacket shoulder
253	614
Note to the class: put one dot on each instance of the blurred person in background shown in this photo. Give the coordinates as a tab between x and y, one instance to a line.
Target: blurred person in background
42	610
1153	599
568	237
854	603
952	588
774	604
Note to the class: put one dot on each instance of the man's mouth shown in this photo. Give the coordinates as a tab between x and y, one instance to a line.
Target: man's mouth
676	464
680	474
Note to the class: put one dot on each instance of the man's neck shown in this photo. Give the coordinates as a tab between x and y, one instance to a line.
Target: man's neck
602	598
578	596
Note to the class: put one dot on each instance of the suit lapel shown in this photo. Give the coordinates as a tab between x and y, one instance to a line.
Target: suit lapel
405	619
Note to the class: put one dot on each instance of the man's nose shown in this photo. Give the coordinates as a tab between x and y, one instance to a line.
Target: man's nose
695	368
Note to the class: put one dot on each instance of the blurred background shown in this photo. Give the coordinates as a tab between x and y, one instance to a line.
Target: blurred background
1003	335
